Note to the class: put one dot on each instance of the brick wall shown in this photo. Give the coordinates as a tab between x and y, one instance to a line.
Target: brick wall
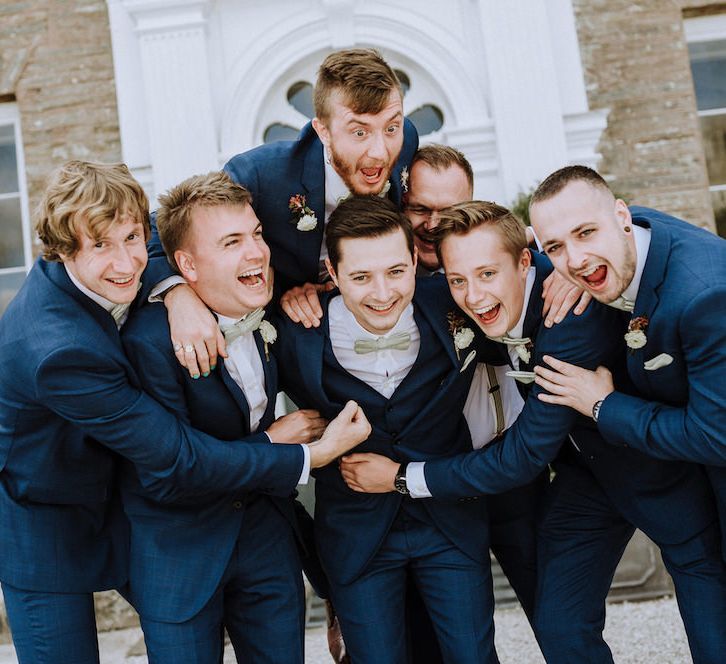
56	61
636	63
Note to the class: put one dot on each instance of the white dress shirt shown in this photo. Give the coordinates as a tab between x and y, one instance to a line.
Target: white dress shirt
383	370
642	246
244	365
245	368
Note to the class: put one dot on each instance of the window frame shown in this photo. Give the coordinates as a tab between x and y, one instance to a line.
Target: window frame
9	115
706	29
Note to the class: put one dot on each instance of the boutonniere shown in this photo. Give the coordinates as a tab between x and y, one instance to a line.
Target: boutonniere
269	336
305	219
404	179
635	336
463	336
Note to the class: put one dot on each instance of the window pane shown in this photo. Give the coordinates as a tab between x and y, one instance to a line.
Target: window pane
11	233
713	128
8	163
426	119
9	285
404	80
300	96
708	65
280	132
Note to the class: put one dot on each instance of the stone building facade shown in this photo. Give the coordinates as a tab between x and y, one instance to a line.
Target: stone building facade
175	87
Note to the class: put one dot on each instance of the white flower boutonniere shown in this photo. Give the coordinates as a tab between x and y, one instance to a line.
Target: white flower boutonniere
635	336
463	336
305	219
404	179
269	336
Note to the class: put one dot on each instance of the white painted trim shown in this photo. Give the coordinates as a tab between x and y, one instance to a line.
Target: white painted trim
705	28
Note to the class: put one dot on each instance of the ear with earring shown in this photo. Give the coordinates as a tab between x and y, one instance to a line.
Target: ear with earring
626	229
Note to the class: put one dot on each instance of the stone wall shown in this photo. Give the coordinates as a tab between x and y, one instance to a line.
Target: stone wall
636	64
55	61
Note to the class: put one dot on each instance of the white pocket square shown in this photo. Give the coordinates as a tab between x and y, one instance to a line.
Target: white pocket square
662	360
467	361
522	376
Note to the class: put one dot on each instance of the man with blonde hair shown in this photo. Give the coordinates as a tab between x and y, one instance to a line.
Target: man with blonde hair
71	403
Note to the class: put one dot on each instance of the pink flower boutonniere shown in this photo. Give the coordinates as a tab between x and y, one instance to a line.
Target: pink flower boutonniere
635	336
305	219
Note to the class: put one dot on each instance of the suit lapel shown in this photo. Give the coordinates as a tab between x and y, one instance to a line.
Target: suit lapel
310	348
313	183
236	392
56	274
440	326
651	279
654	270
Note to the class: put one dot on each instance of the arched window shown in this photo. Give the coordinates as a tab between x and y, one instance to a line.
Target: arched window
427	117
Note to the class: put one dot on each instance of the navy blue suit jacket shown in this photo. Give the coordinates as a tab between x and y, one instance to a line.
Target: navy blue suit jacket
678	412
179	552
276	171
65	381
273	173
640	485
422	420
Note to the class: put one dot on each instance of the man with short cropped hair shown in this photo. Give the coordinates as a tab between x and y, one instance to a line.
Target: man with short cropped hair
669	278
393	342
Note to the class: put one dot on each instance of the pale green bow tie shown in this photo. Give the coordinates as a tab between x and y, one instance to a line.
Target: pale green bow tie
249	323
398	341
119	311
624	304
519	345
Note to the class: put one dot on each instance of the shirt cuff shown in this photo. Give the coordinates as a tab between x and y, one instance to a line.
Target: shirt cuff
305	474
416	481
158	291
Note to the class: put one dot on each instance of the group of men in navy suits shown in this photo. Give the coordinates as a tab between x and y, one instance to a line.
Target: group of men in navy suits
146	457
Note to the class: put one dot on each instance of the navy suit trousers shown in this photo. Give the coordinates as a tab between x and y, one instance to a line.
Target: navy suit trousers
456	590
260	601
581	540
52	628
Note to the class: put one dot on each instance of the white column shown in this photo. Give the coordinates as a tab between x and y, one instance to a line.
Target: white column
523	92
175	71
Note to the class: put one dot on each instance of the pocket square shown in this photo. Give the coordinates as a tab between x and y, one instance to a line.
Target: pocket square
662	360
467	361
522	376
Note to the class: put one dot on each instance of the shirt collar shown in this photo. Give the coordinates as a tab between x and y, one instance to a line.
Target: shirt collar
335	188
516	331
98	299
642	245
355	330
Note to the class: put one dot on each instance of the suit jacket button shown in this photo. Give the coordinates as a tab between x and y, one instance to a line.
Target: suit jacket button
397	441
237	504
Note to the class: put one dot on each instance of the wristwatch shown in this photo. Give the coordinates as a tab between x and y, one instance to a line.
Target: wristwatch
596	409
399	483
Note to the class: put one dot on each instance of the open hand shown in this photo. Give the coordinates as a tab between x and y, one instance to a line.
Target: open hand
302	303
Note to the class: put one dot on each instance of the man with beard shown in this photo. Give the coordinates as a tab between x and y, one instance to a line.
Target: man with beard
359	142
669	278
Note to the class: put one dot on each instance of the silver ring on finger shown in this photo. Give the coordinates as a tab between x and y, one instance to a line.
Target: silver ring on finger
189	348
177	347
